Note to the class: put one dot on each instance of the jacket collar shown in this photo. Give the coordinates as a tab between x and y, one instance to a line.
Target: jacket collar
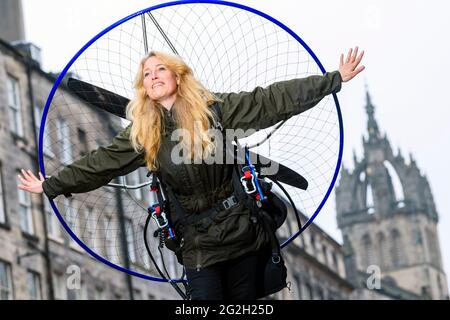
168	120
167	112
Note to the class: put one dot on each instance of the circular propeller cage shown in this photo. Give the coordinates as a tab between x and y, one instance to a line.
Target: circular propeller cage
231	48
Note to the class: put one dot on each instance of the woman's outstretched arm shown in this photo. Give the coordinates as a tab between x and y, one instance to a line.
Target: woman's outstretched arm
264	107
90	172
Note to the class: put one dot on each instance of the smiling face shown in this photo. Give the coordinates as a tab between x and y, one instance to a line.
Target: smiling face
160	83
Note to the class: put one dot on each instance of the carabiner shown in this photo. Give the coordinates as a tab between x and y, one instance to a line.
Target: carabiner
245	181
162	216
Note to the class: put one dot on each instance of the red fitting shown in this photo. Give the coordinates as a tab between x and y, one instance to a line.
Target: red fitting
258	197
158	209
153	189
247	174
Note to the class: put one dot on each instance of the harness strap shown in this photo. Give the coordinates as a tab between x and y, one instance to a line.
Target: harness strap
156	186
269	225
178	209
257	214
211	213
185	220
242	196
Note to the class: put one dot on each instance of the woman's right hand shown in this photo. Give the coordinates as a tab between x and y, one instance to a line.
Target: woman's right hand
30	183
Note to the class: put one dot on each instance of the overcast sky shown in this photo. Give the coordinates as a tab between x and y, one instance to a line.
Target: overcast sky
407	69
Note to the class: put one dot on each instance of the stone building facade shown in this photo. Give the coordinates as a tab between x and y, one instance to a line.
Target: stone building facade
38	259
315	264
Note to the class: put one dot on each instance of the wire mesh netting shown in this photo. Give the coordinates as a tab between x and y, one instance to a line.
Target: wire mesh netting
230	50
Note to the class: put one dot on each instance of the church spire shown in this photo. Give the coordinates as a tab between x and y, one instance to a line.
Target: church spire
372	126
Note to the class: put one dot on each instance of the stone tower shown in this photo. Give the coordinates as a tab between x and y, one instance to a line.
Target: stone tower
11	21
386	212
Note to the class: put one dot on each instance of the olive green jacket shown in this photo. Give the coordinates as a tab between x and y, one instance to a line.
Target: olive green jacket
200	186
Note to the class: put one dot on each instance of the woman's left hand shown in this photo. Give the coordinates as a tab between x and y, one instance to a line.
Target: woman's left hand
348	68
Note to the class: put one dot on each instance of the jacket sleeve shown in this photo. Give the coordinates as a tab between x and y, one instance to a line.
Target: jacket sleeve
264	107
97	168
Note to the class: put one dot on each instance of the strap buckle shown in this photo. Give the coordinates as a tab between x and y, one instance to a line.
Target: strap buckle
276	258
246	182
229	202
219	126
160	219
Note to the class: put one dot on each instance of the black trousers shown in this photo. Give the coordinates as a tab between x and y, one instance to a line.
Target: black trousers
229	280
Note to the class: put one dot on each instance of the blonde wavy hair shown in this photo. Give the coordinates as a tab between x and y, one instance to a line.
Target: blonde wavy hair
190	111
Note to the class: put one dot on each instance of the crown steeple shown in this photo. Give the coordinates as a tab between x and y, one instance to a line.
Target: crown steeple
372	126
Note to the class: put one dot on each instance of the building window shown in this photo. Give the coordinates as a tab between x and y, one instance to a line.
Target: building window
425	292
110	240
299	286
397	249
78	293
60	287
440	288
332	295
397	186
137	294
308	294
99	294
89	228
83	292
367	253
383	259
302	241
90	233
100	235
369	200
47	147
320	294
63	136
335	261
33	285
417	235
6	291
129	233
313	244
26	216
433	248
145	256
71	219
14	107
83	142
2	199
53	227
325	255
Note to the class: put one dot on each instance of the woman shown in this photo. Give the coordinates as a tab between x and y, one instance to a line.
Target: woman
220	257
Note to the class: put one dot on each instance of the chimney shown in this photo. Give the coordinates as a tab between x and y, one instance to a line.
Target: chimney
29	49
11	21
